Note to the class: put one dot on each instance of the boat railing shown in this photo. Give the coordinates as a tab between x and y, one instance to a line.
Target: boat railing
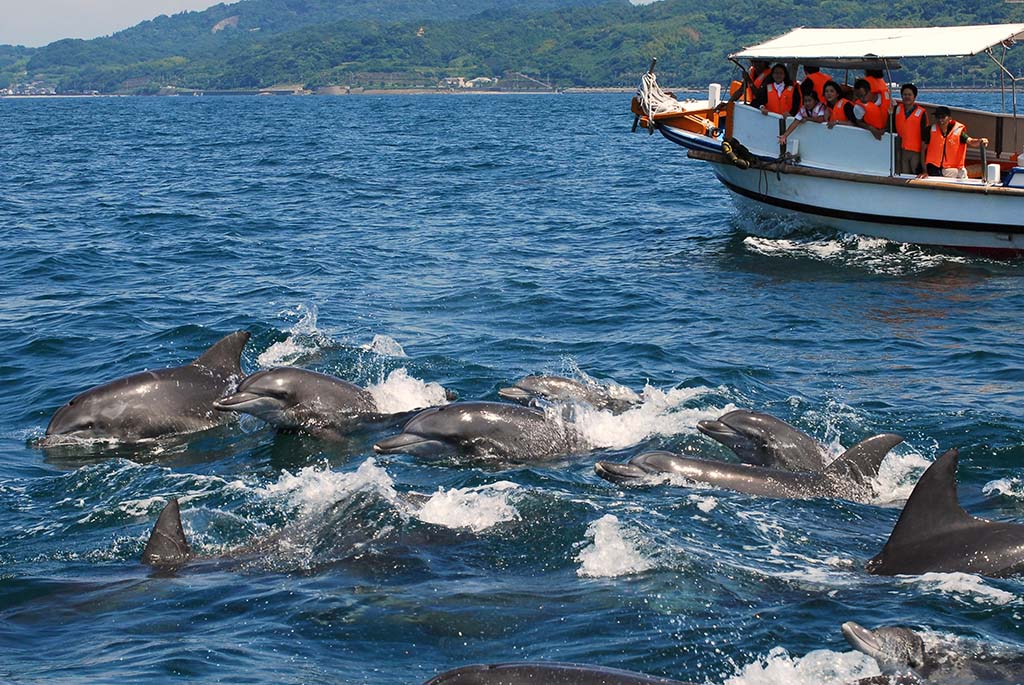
841	148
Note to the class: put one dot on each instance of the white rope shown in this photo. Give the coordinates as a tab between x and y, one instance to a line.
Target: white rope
653	99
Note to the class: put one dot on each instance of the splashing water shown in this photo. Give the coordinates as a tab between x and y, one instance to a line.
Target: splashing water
304	339
612	553
962	584
400	392
477	508
385	346
656	415
820	667
315	488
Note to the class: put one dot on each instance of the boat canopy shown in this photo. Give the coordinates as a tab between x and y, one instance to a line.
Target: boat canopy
857	48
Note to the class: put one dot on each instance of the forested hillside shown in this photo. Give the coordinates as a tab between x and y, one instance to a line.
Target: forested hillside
259	43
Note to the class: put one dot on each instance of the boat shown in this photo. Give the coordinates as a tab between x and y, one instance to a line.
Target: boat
843	177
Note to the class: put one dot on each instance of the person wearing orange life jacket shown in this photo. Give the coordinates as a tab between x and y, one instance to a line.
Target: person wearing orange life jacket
753	79
910	121
778	96
814	78
835	103
879	89
862	112
946	149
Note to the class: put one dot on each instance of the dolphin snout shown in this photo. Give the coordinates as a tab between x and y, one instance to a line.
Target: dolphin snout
410	443
860	638
715	429
236	402
619	473
515	394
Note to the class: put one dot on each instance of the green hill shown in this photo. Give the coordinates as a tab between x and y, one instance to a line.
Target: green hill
258	43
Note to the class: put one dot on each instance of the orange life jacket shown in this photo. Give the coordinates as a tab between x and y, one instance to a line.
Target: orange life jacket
757	80
879	86
819	80
909	128
946	151
780	104
839	110
873	115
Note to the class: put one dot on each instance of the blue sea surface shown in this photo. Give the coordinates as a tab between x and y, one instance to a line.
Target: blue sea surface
407	241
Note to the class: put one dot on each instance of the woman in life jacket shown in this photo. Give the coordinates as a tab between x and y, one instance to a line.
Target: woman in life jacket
778	95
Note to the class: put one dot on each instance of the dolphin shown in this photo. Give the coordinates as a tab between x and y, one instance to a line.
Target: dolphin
167	547
296	399
152	404
530	389
902	653
848	477
935	534
763	440
510	431
552	673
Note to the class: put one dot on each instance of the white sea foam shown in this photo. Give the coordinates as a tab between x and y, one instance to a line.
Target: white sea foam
1005	487
705	504
613	551
875	254
477	508
385	346
962	584
657	414
315	488
304	338
820	667
400	392
897	477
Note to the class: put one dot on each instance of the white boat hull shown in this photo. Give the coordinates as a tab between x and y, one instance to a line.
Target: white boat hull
909	214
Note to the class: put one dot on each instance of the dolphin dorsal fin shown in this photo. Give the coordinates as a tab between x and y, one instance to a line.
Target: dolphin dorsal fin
225	354
933	505
167	545
862	461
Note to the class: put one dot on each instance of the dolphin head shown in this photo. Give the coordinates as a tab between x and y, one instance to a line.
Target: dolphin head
84	417
430	433
743	432
265	394
895	649
554	388
763	440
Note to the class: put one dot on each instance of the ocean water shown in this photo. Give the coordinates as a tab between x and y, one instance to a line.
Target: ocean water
407	242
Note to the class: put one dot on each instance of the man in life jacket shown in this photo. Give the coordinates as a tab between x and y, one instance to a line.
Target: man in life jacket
778	96
946	149
862	112
910	121
879	89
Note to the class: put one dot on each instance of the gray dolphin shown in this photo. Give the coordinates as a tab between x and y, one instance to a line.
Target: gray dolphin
151	404
560	389
552	673
167	547
848	477
763	440
935	534
297	399
510	431
901	652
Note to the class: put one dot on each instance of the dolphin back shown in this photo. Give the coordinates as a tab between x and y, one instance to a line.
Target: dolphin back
167	546
933	508
225	355
860	463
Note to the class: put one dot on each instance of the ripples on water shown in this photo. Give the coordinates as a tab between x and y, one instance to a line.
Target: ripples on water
409	242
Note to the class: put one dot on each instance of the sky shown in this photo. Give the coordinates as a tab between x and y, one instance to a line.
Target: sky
38	22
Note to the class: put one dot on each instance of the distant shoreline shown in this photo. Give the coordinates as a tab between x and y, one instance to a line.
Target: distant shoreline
424	91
